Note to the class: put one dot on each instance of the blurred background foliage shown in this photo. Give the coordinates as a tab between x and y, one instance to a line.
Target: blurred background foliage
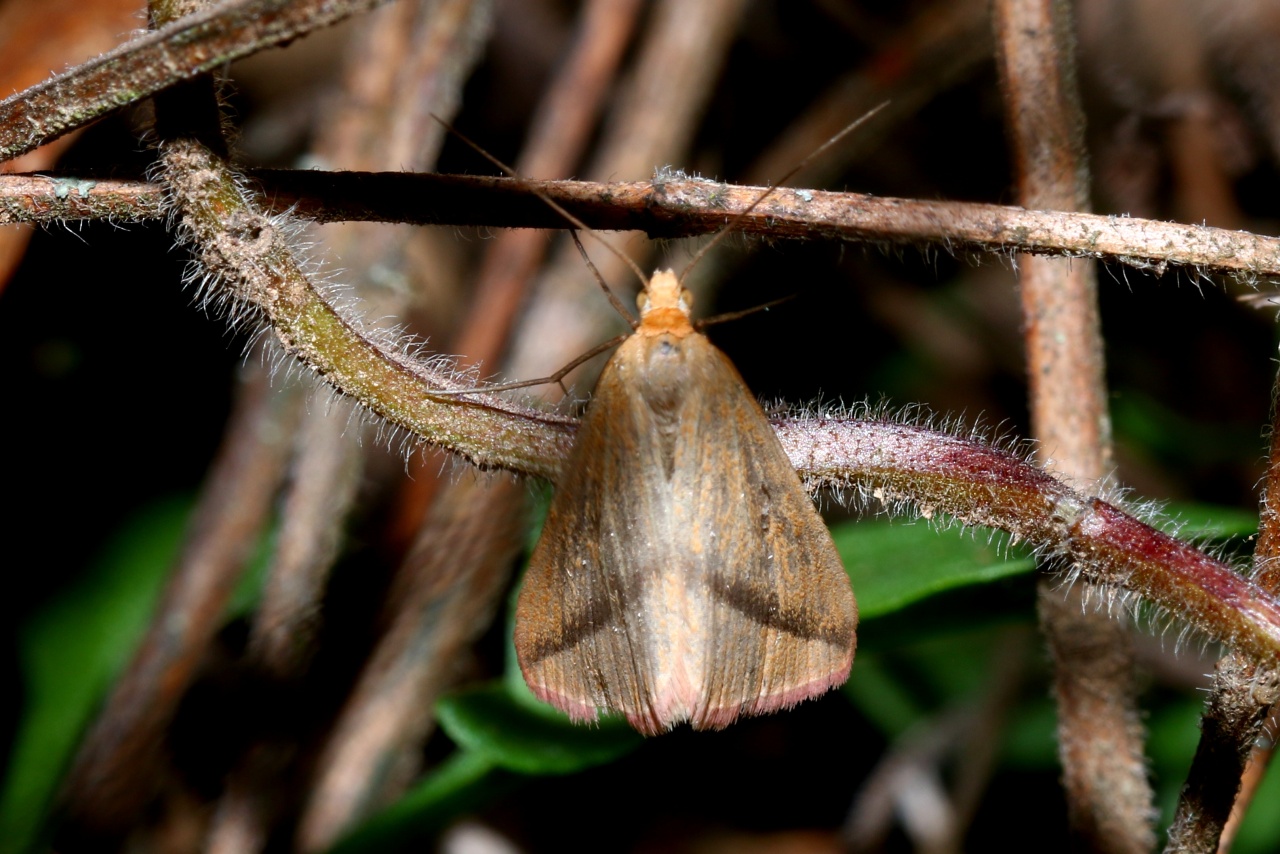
120	389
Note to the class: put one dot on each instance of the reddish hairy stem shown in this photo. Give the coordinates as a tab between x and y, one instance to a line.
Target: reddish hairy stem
981	485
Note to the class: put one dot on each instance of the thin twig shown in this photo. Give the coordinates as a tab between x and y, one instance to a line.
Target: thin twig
559	134
322	485
183	50
671	207
410	62
1100	738
971	733
40	36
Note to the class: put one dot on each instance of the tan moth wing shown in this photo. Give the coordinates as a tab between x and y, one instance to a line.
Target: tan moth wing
683	573
764	554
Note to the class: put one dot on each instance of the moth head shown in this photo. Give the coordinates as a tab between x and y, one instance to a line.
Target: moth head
664	293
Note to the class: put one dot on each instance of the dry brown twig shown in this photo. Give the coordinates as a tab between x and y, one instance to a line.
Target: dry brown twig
676	206
1099	737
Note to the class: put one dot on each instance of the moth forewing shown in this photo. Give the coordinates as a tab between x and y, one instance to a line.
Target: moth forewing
780	610
683	574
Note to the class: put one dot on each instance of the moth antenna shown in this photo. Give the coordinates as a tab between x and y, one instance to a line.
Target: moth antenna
549	202
731	224
617	304
557	377
734	315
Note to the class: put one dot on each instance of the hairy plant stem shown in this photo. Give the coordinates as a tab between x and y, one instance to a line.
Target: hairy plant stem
1094	541
244	251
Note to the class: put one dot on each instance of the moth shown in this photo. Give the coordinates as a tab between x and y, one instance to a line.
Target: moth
683	573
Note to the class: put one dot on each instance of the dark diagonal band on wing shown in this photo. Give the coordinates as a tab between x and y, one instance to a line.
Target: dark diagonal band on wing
760	603
781	612
594	615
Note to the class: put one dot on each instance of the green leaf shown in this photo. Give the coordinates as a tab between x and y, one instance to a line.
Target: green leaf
513	734
69	654
895	564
